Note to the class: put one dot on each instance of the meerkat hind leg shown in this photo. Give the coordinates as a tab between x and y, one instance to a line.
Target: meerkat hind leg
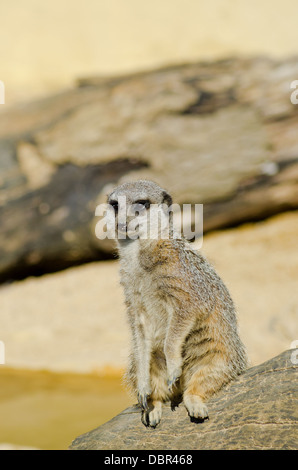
197	410
193	397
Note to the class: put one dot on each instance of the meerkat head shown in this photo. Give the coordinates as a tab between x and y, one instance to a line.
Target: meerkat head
140	209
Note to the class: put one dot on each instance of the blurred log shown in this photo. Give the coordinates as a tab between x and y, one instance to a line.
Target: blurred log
223	134
258	198
52	228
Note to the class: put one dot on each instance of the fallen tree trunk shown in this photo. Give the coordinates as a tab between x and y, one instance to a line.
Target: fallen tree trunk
222	134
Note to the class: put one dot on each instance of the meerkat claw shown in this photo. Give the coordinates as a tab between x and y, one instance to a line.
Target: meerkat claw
171	383
143	401
197	410
145	418
173	378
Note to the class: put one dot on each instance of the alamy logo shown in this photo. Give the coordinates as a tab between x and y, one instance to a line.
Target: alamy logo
2	353
149	221
294	94
2	93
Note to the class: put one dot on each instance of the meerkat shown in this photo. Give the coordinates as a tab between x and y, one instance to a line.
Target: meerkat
185	341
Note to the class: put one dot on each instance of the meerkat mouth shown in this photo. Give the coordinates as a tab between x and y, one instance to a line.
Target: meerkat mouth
123	229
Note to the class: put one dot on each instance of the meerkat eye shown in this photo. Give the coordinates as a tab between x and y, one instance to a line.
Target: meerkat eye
140	206
114	204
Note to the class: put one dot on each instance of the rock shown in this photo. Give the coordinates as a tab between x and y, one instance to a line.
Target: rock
219	133
257	411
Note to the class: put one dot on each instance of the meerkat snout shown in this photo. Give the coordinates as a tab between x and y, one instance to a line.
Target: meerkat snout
141	209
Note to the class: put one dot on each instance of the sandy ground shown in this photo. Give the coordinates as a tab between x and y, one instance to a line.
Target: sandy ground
75	320
46	45
259	263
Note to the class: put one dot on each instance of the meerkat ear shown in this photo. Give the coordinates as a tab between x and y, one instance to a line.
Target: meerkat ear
167	199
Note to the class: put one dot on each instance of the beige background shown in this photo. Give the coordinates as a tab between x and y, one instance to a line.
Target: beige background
45	45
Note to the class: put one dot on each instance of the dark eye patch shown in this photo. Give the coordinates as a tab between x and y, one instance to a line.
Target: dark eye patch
143	202
114	204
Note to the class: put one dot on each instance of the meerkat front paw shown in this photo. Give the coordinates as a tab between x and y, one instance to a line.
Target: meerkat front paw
143	396
197	410
152	416
174	373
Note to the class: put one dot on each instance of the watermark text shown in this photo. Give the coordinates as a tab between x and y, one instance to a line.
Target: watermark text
294	94
154	221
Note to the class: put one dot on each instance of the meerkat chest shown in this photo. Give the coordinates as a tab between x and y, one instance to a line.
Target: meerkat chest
143	297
